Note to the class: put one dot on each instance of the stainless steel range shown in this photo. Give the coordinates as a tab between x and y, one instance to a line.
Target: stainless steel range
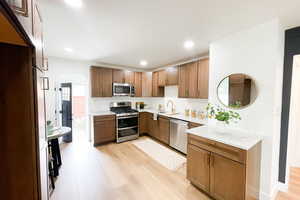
127	121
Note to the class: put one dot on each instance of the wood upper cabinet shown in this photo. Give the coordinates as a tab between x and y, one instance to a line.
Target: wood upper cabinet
203	78
163	133
193	80
129	77
118	76
172	76
161	78
147	84
198	170
38	37
104	129
101	82
188	80
233	175
156	90
138	84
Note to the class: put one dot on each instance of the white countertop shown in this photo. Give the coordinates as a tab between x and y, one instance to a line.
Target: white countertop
233	137
58	132
99	113
177	116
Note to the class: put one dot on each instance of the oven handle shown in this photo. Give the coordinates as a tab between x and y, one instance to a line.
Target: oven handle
127	128
126	117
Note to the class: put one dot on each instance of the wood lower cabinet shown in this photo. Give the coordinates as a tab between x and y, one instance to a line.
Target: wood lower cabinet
104	129
223	171
101	82
163	132
198	171
227	178
194	125
144	122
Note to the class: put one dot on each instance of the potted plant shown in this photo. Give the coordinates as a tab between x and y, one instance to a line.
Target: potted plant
222	115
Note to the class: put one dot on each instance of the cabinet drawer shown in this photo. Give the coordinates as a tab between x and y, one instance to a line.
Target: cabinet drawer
104	118
227	151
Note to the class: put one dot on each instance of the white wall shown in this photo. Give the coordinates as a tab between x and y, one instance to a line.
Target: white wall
257	52
294	126
63	70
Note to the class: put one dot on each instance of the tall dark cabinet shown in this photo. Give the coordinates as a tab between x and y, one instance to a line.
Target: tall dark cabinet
23	142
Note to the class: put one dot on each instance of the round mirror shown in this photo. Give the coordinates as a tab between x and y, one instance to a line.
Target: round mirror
237	91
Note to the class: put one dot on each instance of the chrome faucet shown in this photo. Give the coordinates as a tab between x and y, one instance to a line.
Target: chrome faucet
173	107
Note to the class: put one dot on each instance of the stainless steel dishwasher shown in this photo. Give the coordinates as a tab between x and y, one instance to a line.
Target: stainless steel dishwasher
178	135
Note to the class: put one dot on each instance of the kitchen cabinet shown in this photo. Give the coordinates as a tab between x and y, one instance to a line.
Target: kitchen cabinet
157	91
118	76
129	77
101	82
144	122
193	80
104	129
161	78
172	76
138	84
223	171
203	78
163	132
234	175
147	84
198	170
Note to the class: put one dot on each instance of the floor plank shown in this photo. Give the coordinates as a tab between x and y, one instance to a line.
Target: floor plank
118	172
293	192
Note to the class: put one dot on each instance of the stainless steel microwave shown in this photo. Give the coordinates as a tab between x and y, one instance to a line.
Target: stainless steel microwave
123	89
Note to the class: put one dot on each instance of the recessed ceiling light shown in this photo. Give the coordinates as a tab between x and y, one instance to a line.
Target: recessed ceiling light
68	50
143	63
189	44
74	3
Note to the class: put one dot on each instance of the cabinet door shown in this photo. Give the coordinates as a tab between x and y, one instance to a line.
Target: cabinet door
96	91
106	85
227	178
147	84
161	78
143	122
118	76
129	77
172	76
138	84
182	83
192	80
156	90
164	130
38	37
104	131
203	78
198	167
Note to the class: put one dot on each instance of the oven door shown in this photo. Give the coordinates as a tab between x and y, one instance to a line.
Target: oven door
121	89
127	122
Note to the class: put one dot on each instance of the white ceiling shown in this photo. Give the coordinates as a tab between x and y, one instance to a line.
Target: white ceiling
123	32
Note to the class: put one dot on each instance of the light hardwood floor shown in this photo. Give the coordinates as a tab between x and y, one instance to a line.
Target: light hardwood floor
294	187
118	172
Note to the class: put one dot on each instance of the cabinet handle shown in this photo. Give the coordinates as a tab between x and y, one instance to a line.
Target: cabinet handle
45	83
212	160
